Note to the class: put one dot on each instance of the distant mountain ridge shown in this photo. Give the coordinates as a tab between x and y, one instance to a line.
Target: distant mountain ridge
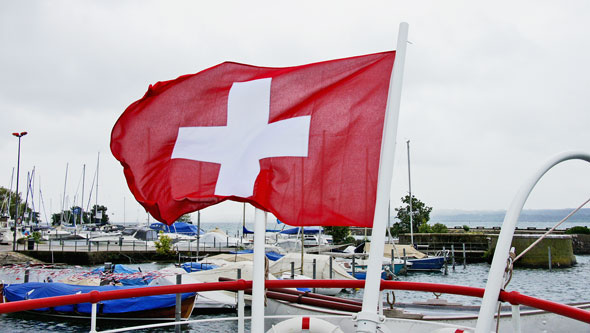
530	215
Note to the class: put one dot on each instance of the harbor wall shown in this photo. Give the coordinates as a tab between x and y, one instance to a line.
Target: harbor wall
562	252
581	243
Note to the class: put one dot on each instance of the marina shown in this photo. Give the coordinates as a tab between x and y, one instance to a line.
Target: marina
255	170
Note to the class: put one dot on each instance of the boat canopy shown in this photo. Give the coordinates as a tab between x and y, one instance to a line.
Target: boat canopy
306	230
34	290
177	227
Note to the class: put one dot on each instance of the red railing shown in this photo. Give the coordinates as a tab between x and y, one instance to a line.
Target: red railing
94	296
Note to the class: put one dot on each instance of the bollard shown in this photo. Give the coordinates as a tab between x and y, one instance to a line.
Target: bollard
331	274
453	255
178	305
464	257
75	246
392	264
405	263
27	275
549	255
314	270
226	242
292	270
214	245
446	263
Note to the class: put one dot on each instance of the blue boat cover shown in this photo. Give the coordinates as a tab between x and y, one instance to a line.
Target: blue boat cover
34	290
274	256
197	266
118	269
306	230
122	271
177	227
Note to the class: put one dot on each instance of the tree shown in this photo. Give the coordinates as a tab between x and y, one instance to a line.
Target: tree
102	213
340	235
4	196
185	218
420	216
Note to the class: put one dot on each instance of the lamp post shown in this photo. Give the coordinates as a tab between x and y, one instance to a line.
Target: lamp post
17	218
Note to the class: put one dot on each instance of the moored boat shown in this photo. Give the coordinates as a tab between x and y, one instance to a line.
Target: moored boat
158	307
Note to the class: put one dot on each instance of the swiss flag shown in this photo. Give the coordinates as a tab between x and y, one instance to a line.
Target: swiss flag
300	142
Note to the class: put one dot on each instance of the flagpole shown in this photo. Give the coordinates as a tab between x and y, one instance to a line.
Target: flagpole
257	325
368	319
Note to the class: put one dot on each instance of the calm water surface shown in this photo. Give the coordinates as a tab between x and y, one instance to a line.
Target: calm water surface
561	285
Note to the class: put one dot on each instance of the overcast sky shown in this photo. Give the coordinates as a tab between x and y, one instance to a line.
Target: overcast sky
490	91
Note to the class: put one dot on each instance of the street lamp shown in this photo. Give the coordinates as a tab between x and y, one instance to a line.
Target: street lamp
18	135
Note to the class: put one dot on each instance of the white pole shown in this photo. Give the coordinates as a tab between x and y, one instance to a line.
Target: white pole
93	318
368	318
489	304
257	325
410	190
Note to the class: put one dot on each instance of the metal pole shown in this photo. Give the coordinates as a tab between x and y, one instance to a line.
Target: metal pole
27	275
368	319
549	256
353	267
446	264
405	262
18	135
93	319
292	270
453	255
241	326
198	232
314	272
257	323
464	257
410	190
331	273
178	307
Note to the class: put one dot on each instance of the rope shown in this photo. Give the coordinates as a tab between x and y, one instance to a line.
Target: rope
507	278
550	230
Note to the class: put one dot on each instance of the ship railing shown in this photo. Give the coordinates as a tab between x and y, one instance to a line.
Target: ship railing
94	297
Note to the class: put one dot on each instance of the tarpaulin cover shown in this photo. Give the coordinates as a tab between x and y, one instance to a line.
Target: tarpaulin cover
126	275
307	230
178	227
196	266
34	290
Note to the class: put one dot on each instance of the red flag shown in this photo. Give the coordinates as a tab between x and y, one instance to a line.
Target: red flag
300	142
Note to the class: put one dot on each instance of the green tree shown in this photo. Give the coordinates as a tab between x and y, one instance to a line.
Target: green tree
185	218
164	246
420	216
340	235
103	212
5	194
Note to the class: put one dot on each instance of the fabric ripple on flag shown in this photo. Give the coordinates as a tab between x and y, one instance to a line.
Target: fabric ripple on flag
300	142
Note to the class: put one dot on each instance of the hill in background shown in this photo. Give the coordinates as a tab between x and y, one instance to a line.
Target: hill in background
532	215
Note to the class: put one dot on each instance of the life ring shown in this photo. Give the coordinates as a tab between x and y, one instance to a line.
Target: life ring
309	324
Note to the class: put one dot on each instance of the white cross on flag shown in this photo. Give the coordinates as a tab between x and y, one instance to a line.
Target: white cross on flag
301	142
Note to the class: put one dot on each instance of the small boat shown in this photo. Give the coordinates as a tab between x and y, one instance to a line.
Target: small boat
434	263
158	307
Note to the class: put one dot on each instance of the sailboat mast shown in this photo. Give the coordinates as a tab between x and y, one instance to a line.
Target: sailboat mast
10	192
410	190
82	199
63	200
96	206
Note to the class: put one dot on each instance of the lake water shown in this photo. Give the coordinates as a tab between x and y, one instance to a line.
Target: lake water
561	285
